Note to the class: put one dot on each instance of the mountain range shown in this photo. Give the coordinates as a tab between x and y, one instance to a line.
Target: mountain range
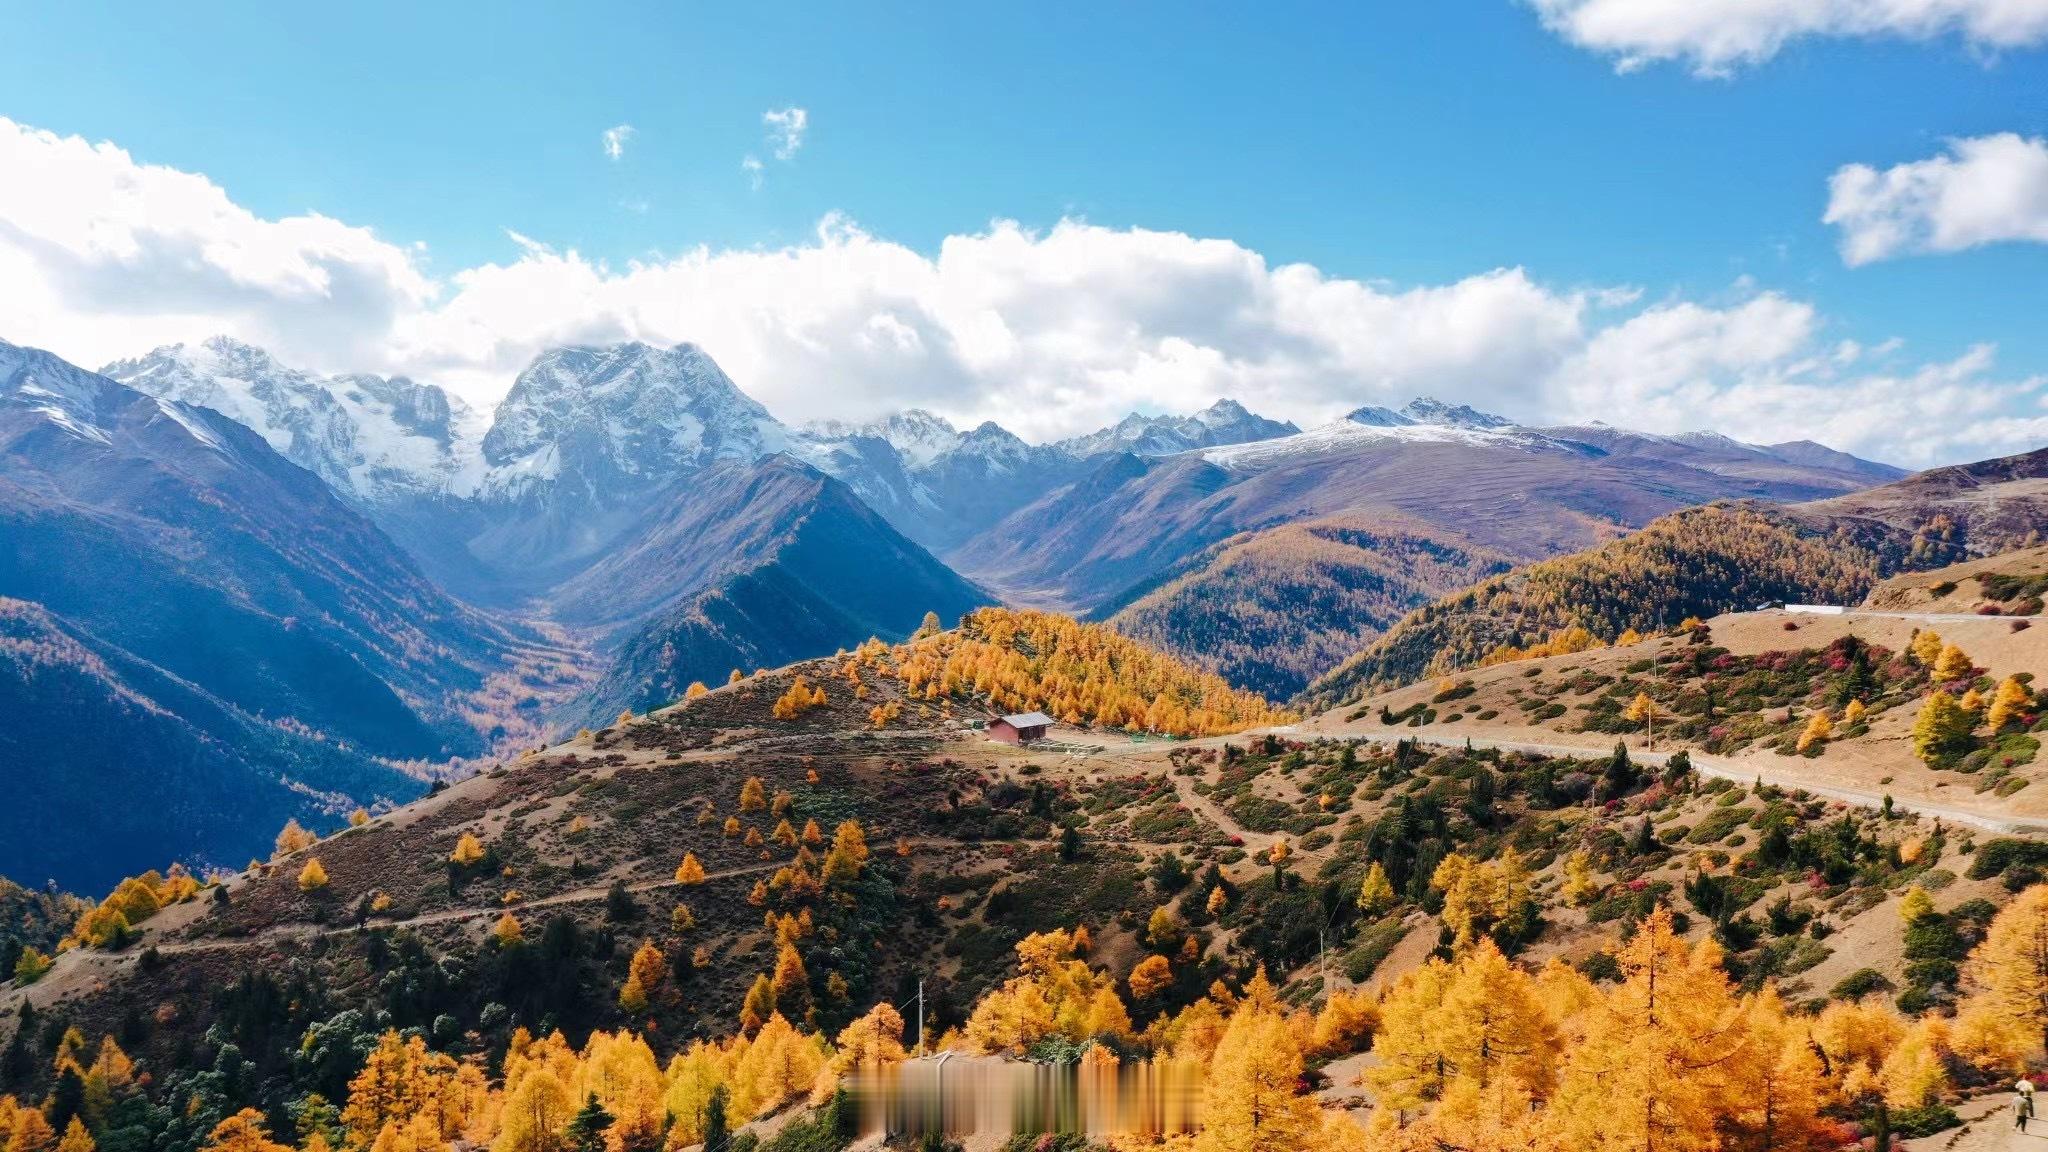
592	450
372	567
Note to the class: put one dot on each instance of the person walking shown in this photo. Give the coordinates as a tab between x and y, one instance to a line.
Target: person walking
2022	1110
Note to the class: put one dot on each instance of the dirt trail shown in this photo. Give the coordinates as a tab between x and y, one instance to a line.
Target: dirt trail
1987	1127
1254	842
1741	771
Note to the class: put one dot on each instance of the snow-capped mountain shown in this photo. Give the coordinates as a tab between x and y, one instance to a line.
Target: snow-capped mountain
1422	420
1480	479
596	418
931	481
1224	422
1430	410
374	440
916	436
592	442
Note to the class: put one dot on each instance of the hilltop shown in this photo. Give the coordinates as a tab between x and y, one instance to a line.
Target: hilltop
1742	690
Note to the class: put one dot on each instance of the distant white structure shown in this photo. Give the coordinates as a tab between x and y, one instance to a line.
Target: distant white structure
1817	609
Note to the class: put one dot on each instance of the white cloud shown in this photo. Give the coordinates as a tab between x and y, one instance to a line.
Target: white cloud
786	128
1049	332
1760	371
1714	37
615	139
751	165
1983	190
98	250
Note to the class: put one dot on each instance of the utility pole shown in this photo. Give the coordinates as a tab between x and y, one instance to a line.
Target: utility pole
920	1018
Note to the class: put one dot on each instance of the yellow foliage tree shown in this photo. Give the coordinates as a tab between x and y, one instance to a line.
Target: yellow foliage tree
507	931
689	873
1915	1073
1819	729
469	851
1152	975
753	795
242	1132
1952	664
1926	648
1253	1103
2009	971
777	1065
1375	893
1654	1067
313	877
400	1080
1578	886
294	838
76	1138
2011	699
1942	729
848	856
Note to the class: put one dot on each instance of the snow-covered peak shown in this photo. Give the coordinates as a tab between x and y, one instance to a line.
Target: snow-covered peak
629	413
1223	413
370	438
62	393
919	437
1374	416
1351	434
86	405
1714	441
1430	410
1224	422
992	440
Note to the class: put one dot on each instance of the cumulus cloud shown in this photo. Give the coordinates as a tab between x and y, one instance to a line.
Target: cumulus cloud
96	247
1050	332
615	138
786	127
1983	190
1715	37
1761	371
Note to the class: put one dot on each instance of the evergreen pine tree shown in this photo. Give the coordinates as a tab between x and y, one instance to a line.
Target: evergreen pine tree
716	1134
67	1098
586	1129
1620	777
19	1061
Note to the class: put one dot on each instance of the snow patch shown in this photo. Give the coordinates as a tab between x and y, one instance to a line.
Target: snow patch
185	420
1343	436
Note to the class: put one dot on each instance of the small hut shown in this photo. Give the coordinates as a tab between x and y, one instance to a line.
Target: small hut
1023	728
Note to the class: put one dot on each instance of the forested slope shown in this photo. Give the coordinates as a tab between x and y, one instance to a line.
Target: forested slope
1698	562
1272	610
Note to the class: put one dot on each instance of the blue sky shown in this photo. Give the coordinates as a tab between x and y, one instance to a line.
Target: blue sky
1402	146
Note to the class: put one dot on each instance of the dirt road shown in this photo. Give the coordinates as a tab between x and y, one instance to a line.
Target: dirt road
1739	771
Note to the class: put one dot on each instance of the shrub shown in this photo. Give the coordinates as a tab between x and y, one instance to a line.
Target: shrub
1860	983
1995	857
